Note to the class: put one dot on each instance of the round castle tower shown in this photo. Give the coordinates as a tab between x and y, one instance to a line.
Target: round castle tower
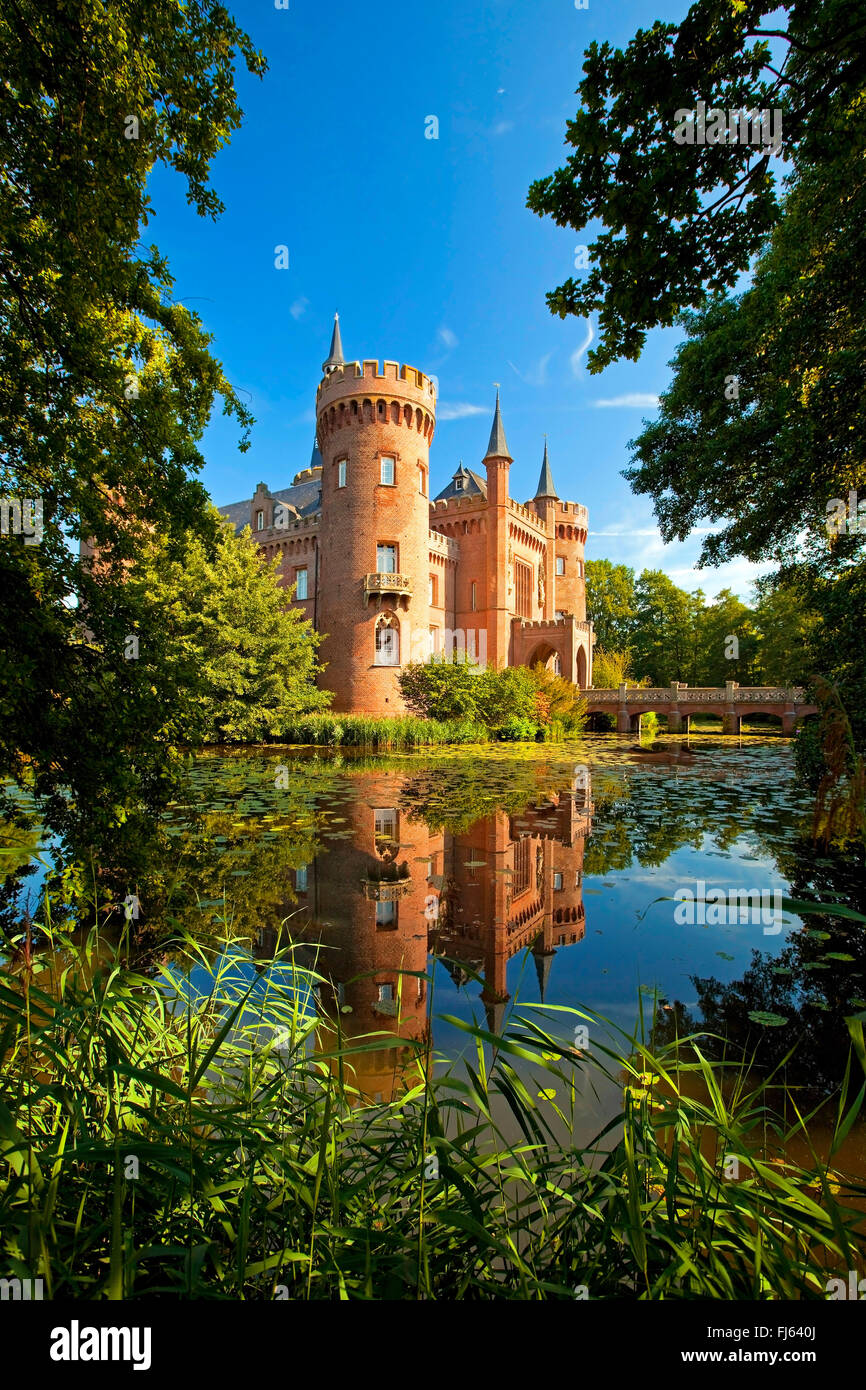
374	431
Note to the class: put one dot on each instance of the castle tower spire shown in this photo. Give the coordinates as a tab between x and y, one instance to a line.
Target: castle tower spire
545	482
335	358
498	446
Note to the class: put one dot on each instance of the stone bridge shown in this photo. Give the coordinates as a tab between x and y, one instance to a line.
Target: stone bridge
678	702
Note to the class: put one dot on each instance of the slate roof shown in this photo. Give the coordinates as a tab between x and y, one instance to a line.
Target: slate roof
304	497
545	482
473	485
498	446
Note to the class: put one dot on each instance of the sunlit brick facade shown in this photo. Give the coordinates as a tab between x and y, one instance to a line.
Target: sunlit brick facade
388	573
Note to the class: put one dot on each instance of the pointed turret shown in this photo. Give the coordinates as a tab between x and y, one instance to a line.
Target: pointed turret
498	446
543	962
545	482
316	457
336	358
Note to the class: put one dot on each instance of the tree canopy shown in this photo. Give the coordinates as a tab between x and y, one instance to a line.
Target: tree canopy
106	384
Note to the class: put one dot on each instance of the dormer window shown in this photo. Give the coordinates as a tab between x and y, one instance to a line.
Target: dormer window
458	483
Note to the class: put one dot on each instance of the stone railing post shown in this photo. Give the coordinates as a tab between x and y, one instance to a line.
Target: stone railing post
730	719
623	722
675	719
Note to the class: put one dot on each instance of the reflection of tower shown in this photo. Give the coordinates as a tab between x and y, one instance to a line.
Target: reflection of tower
374	431
516	882
368	897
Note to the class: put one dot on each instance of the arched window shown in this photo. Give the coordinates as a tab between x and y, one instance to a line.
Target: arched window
387	641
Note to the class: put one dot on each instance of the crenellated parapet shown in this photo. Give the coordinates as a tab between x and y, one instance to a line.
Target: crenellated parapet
358	393
445	547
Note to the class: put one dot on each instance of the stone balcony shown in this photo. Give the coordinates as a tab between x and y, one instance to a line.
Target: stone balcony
380	583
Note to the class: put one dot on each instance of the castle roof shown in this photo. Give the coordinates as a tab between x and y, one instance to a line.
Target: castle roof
335	357
305	498
545	482
465	483
498	446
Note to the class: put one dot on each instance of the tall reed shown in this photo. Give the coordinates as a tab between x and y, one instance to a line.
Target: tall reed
198	1133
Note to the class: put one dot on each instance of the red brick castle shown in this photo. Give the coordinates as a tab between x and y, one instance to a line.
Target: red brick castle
390	575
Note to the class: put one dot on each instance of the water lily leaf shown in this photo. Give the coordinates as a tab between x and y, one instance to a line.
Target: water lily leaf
767	1020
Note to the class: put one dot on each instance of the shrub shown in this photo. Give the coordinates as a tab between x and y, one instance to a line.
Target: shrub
517	730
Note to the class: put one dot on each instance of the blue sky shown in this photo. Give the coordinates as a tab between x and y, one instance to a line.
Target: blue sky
424	246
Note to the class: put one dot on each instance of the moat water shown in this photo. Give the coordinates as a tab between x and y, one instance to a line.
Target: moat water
443	887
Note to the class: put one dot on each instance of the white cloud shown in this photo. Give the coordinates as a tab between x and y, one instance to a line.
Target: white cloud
578	353
447	337
502	128
537	375
636	400
632	542
298	308
460	411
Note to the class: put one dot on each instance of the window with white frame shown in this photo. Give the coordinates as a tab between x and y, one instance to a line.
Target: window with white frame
557	883
260	521
387	467
387	641
301	879
386	559
301	584
386	914
341	472
560	564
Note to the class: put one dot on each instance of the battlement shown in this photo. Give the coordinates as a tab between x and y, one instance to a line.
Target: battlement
526	623
306	475
527	513
347	379
445	546
573	511
457	504
305	523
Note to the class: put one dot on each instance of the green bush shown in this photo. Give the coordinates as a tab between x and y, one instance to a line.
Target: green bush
517	730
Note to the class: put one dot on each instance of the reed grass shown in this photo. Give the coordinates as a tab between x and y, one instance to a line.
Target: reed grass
358	730
162	1139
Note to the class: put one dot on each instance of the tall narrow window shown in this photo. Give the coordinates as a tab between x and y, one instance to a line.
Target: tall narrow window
300	584
260	521
385	822
422	480
434	591
474	597
341	473
386	474
387	641
386	559
523	589
301	879
386	915
560	564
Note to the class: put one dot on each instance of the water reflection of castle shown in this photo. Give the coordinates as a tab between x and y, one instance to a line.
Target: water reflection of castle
374	904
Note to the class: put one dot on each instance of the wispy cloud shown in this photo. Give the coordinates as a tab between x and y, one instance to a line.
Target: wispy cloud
448	338
578	352
537	375
298	308
632	400
459	411
502	128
